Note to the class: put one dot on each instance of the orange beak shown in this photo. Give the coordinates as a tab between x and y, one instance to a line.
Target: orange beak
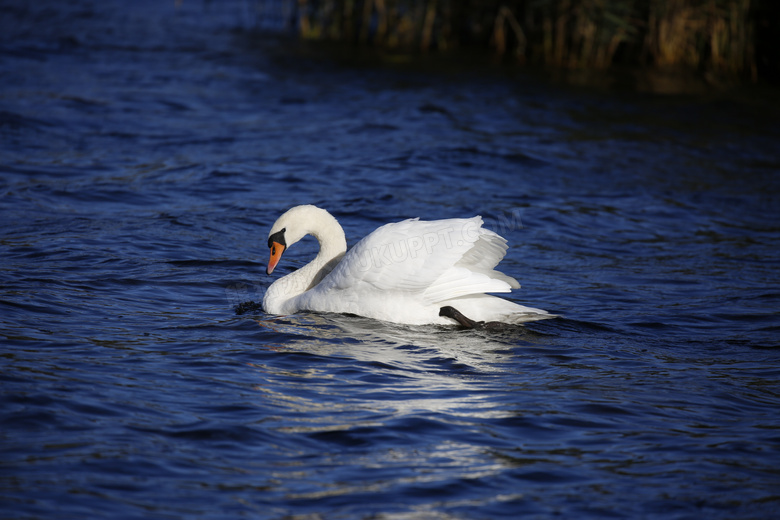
276	254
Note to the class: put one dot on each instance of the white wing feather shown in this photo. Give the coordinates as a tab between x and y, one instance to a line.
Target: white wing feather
440	260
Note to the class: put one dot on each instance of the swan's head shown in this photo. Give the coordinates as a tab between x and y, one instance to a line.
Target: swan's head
295	224
277	243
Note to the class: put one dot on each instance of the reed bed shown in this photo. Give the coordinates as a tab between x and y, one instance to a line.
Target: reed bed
712	36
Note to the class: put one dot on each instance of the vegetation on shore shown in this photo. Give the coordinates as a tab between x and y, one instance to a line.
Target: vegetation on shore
711	36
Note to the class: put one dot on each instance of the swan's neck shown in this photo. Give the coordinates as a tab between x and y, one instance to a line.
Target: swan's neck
333	245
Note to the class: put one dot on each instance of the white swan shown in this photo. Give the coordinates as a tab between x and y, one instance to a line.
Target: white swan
403	272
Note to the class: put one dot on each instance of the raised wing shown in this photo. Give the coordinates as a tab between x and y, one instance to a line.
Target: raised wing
439	260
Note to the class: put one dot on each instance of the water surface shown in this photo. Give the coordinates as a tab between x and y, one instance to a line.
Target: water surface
146	150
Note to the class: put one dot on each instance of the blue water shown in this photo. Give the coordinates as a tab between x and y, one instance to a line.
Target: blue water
145	151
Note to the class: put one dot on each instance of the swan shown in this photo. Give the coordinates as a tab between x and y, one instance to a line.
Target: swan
403	272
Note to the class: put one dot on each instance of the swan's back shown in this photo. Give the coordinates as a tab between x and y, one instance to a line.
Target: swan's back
432	260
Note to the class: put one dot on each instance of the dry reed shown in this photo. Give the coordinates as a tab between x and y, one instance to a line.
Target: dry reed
714	36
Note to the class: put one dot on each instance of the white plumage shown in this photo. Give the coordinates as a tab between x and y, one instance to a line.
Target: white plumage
402	272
